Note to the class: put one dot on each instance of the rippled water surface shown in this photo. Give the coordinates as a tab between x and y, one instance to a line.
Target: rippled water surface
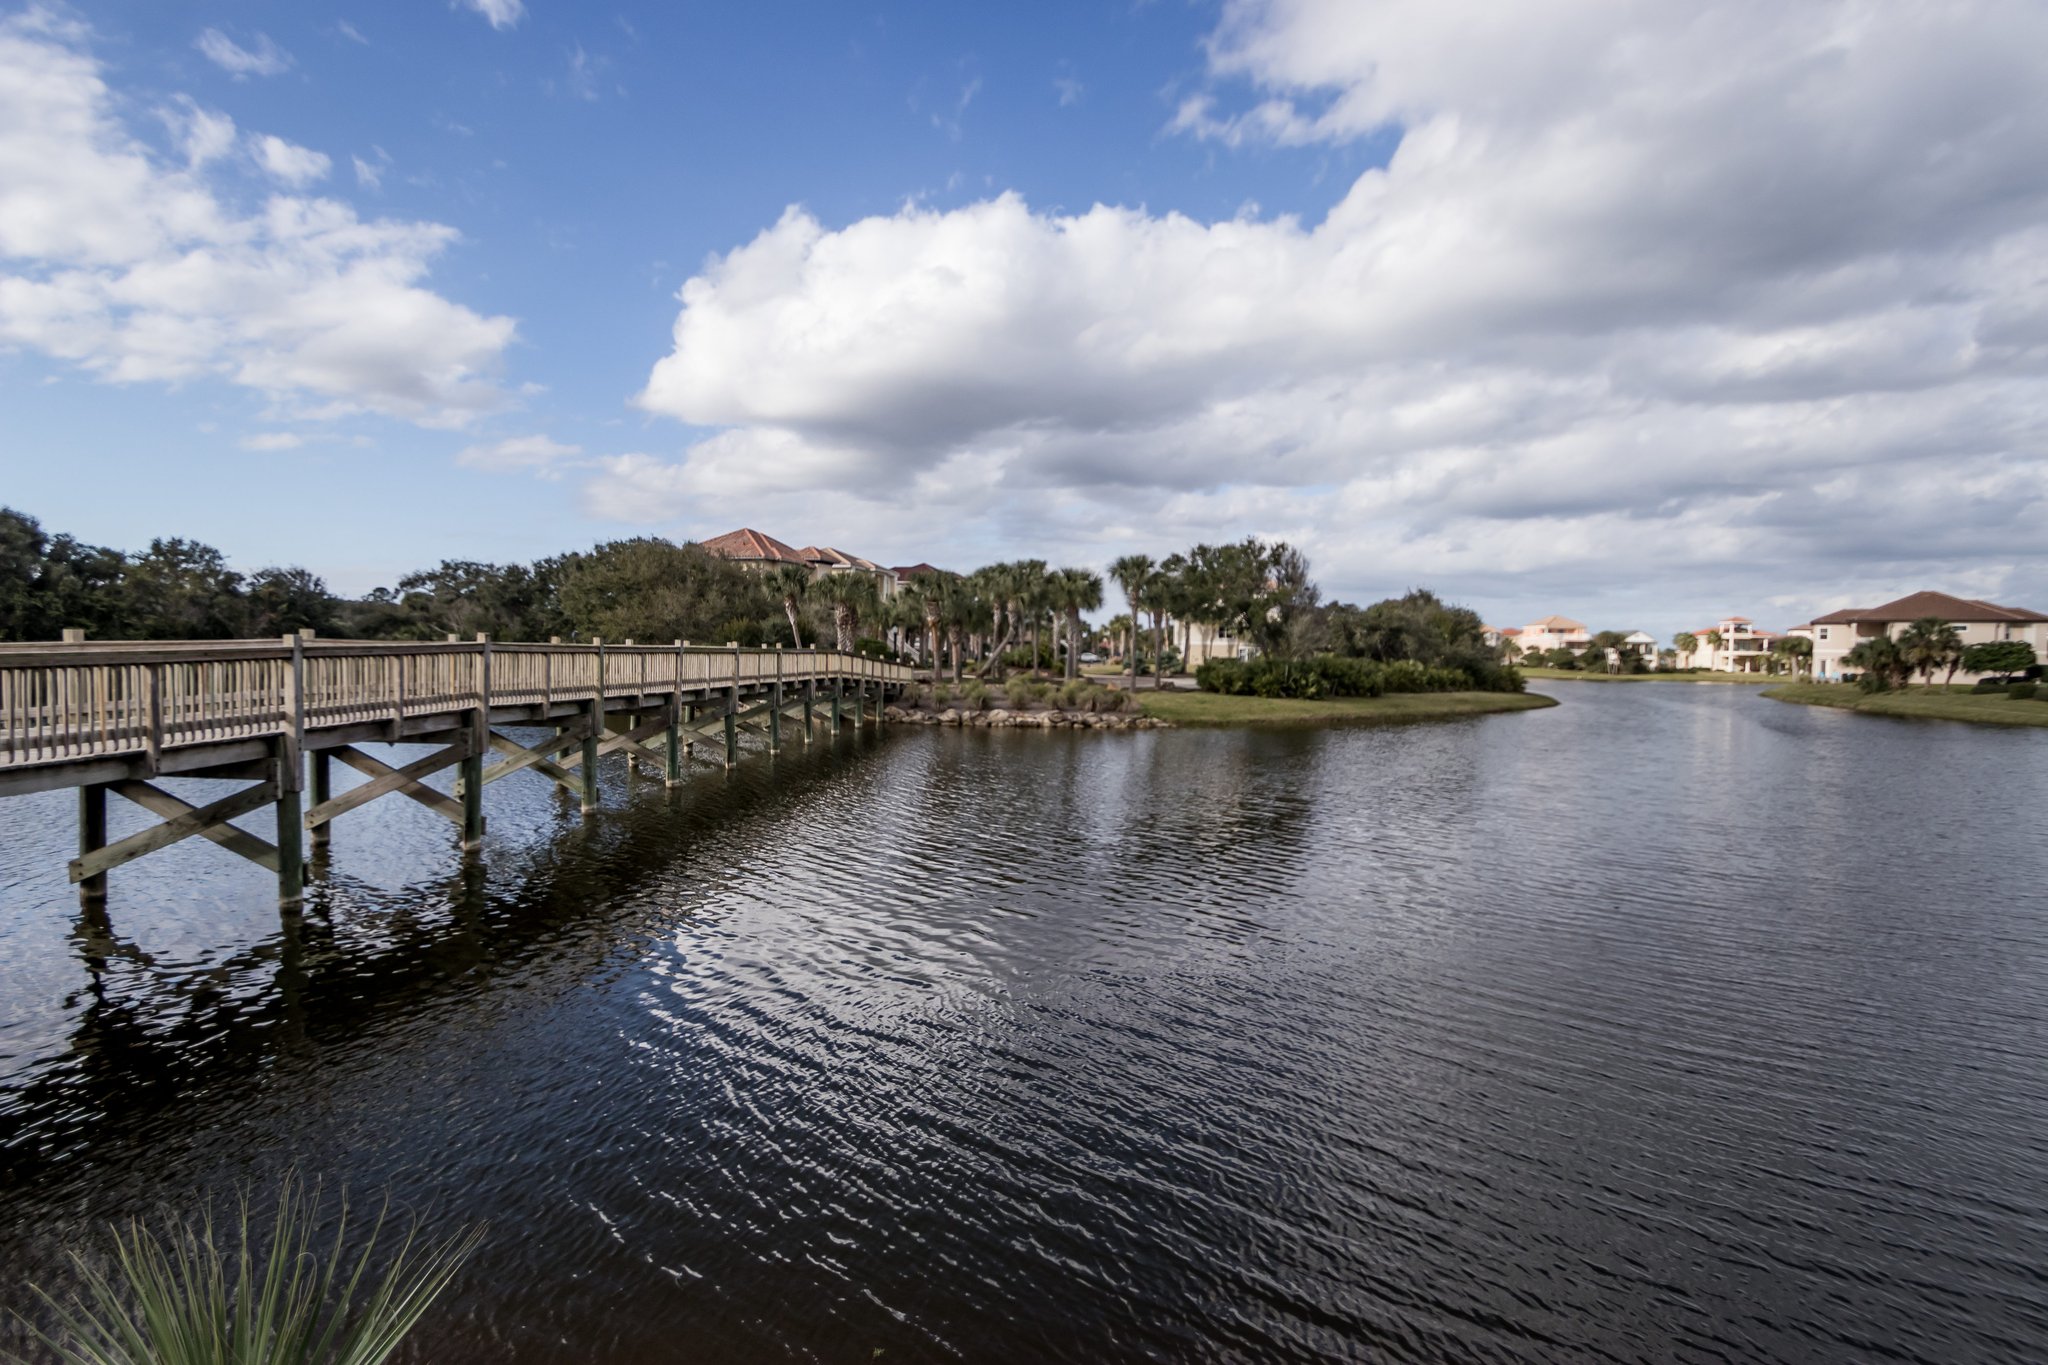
1670	1024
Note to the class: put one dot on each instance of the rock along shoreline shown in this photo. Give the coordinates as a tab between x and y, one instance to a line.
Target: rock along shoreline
1000	718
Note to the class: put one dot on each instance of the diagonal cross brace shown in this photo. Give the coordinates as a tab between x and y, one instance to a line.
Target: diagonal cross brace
385	779
189	821
537	758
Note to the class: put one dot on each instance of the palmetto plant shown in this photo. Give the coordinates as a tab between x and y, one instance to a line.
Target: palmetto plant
180	1297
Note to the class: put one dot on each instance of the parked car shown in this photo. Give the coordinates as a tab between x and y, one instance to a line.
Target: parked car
1091	658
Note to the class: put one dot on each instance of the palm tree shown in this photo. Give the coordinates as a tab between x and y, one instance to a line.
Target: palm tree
851	596
932	591
1878	658
1176	594
791	583
1074	591
1158	591
1034	598
1132	573
1685	642
1928	644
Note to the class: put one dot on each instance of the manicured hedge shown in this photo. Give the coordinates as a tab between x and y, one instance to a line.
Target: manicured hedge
1330	675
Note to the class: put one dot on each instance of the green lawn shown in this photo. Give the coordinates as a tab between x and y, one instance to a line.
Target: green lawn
1920	703
1212	708
1572	675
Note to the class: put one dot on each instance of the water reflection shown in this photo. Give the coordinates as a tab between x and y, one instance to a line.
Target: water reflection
1649	1027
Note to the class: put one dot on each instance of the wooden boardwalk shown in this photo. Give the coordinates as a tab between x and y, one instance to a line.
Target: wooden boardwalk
111	717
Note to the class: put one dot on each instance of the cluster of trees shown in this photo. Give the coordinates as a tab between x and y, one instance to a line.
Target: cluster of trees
1928	646
1019	611
175	590
1249	590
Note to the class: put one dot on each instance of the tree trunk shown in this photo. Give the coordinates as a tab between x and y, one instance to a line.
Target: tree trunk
1073	645
789	606
843	622
1158	651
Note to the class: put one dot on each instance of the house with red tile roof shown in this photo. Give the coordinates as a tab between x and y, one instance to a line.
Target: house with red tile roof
1554	632
751	549
1976	621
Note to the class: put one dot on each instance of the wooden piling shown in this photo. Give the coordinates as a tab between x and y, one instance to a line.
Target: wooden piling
323	792
92	836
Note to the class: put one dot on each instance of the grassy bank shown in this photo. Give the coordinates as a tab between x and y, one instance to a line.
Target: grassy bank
1917	703
1211	708
1572	675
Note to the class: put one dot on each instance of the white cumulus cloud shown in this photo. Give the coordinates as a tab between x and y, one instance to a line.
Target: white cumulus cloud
264	58
136	270
290	163
1652	303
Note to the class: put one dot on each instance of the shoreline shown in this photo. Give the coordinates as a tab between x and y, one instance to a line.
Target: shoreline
1916	703
1214	710
1711	679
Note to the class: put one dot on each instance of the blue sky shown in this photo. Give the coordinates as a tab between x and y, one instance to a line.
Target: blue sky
1636	316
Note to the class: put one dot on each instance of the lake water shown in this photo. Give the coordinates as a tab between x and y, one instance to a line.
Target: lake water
1671	1024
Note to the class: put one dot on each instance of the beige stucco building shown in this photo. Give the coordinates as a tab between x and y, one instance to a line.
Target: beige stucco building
1977	622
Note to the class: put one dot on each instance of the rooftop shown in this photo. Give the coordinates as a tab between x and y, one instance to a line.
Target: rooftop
747	543
1947	607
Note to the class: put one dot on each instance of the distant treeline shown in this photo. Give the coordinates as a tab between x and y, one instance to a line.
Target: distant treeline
178	589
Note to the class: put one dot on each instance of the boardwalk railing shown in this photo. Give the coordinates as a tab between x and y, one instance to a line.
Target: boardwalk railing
67	702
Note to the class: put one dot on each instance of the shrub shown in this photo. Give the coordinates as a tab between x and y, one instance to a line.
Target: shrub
1330	675
202	1292
975	696
1873	681
1023	693
2022	691
941	694
1021	657
1072	694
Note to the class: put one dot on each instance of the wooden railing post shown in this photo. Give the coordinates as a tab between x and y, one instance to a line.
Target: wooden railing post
153	737
775	706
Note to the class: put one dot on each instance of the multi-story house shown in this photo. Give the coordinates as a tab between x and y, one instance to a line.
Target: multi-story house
1732	644
1554	632
1976	622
